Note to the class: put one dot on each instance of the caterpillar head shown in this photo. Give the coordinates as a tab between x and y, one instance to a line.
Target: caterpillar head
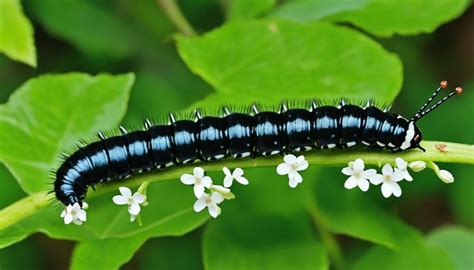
413	137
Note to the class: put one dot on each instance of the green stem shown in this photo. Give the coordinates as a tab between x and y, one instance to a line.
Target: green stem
330	243
457	153
174	14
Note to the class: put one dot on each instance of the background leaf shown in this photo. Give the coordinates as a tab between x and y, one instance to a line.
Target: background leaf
101	34
246	9
52	112
16	33
457	242
312	10
292	62
406	17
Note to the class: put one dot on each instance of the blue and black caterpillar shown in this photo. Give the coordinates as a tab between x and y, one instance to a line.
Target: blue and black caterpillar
238	135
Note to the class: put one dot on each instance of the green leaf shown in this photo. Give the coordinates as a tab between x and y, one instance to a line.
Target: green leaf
169	213
105	253
246	9
387	17
353	213
457	242
240	239
87	25
10	191
415	256
16	33
167	253
25	255
50	113
275	60
312	10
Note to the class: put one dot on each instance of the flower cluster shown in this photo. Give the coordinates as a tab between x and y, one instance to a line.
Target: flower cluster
75	213
291	167
215	194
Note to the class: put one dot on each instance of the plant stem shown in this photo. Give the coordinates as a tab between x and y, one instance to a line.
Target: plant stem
174	14
457	153
330	243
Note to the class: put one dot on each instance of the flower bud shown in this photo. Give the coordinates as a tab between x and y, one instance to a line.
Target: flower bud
417	166
445	176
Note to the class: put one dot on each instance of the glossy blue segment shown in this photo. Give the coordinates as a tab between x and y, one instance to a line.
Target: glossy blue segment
185	141
270	133
299	129
326	125
240	134
116	148
212	138
138	149
352	124
162	145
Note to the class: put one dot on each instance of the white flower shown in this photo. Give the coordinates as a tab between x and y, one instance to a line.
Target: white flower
358	177
291	166
389	181
445	176
402	167
133	201
74	213
199	181
417	166
235	175
211	202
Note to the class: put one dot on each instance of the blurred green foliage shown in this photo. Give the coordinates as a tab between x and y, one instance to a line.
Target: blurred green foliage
246	51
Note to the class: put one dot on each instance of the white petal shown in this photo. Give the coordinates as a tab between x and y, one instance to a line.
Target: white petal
199	204
386	190
188	179
283	169
214	210
369	173
242	180
198	191
238	172
77	222
363	184
387	169
82	215
68	218
294	179
289	159
401	163
299	159
302	165
206	181
125	191
216	197
376	179
397	175
132	218
347	171
358	165
226	171
134	209
396	190
120	200
350	183
85	205
198	172
228	181
63	213
221	189
138	197
407	176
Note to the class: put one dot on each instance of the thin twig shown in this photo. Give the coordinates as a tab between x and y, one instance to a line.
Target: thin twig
174	14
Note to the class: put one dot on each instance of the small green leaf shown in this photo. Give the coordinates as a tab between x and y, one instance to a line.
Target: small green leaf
312	10
242	239
275	60
246	9
16	33
387	17
457	242
90	26
168	213
353	213
105	253
418	255
50	113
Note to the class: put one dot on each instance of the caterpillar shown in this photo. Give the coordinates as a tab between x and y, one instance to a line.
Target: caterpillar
262	133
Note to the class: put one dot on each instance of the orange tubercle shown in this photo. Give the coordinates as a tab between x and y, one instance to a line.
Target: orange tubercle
443	84
458	90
